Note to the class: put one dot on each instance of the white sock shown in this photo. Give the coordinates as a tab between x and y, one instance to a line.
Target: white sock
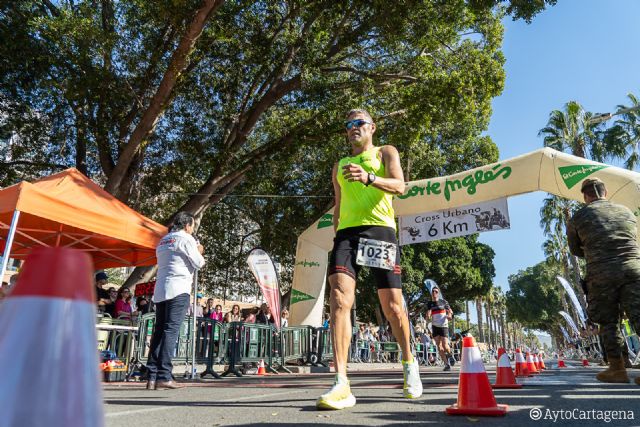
341	379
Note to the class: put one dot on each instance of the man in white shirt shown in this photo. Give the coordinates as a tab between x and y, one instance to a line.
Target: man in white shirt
179	255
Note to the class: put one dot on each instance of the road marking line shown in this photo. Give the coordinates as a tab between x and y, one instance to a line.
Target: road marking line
601	396
164	408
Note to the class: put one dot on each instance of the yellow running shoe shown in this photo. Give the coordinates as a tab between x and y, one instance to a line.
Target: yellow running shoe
412	383
339	397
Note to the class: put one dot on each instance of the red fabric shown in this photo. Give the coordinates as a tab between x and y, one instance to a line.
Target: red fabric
57	273
69	210
121	305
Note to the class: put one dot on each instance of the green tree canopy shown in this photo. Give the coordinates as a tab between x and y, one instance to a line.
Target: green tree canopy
534	297
174	105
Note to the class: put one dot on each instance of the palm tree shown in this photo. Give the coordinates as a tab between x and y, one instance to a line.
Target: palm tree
622	140
554	217
466	312
575	130
479	311
487	311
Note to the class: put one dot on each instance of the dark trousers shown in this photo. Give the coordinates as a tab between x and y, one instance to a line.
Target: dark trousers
169	317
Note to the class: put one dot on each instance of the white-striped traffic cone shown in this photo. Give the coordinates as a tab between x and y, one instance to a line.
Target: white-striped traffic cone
48	344
530	365
521	365
475	396
504	374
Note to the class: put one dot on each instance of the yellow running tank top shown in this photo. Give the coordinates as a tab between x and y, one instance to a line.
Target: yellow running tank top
361	204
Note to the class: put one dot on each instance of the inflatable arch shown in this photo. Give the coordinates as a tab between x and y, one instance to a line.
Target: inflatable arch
545	170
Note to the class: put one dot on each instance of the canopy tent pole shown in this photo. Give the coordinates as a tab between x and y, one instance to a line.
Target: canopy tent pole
193	326
7	247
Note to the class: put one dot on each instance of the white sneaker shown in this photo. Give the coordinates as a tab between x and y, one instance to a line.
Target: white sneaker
339	397
412	383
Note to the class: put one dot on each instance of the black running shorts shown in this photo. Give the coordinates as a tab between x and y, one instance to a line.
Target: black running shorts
344	253
440	331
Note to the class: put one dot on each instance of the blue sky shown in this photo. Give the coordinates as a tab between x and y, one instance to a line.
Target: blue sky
582	50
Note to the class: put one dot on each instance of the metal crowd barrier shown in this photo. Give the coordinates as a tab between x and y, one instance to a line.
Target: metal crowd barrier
295	342
117	336
249	343
234	344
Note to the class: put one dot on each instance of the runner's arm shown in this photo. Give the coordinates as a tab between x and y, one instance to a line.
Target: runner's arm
393	181
336	190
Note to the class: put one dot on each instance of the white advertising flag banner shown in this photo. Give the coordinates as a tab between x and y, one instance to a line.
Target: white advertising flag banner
454	222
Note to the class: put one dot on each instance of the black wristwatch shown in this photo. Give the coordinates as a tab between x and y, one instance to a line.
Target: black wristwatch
371	178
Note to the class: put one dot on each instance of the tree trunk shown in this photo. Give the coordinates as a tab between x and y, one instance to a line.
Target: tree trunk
160	100
503	332
479	312
466	311
487	311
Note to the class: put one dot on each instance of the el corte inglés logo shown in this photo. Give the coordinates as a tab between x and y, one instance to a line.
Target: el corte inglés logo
305	263
571	175
297	296
470	183
325	221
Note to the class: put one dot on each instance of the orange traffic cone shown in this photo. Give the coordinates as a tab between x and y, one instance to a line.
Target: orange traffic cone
504	373
475	396
261	369
521	365
50	317
530	365
561	362
536	361
540	359
585	362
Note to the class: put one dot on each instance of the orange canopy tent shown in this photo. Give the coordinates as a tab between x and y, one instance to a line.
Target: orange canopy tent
68	209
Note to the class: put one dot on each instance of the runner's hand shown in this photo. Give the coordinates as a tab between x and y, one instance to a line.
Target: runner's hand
353	172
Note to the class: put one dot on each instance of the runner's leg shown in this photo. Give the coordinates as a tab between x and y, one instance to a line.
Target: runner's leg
392	304
342	296
341	300
393	308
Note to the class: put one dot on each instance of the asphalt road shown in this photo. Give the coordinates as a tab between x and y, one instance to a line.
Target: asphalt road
564	397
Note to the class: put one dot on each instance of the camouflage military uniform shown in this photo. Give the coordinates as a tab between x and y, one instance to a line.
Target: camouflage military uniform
605	234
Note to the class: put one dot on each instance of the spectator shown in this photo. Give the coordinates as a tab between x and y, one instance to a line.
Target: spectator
605	234
325	324
179	255
362	343
102	296
142	305
251	315
227	318
123	304
110	306
264	316
199	309
234	314
208	310
217	313
284	320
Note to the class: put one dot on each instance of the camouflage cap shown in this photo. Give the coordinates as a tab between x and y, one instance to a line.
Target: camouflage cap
590	182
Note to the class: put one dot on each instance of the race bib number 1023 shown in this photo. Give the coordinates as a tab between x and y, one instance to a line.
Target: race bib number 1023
376	253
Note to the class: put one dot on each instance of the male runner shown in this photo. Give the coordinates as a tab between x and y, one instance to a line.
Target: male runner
439	312
364	186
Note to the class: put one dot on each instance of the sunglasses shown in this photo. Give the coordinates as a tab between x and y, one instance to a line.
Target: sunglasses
355	123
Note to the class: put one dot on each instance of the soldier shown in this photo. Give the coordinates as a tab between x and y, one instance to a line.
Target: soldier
606	235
